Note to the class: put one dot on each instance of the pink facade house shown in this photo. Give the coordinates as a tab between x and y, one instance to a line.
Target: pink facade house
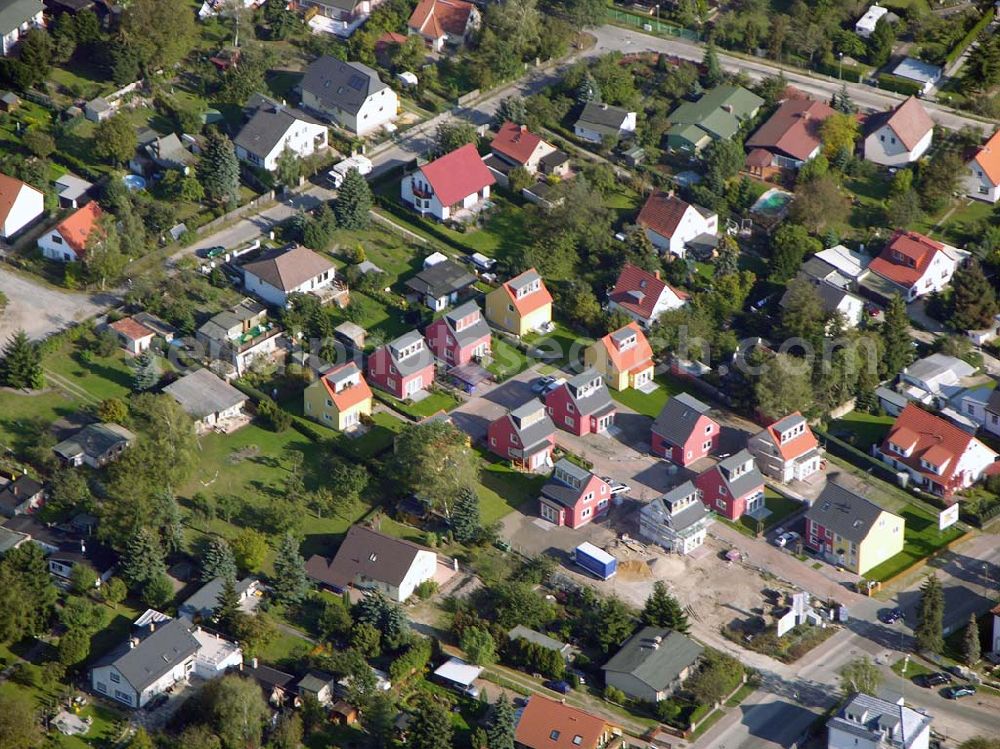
525	436
582	405
573	496
684	432
402	367
733	487
460	335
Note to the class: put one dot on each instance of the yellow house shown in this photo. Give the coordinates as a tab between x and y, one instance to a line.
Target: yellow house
520	305
339	398
623	357
852	531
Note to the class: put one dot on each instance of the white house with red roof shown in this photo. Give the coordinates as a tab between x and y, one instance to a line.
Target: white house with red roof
938	456
20	206
441	22
458	181
982	178
915	264
643	296
671	223
518	146
787	450
67	242
573	496
899	136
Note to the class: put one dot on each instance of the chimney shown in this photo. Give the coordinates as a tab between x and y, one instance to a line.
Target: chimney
152	626
133	641
656	273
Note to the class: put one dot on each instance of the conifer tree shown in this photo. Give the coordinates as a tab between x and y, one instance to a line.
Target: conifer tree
290	583
142	560
354	201
21	363
219	170
145	373
500	733
710	62
663	610
465	519
896	334
930	616
974	298
227	607
970	642
218	560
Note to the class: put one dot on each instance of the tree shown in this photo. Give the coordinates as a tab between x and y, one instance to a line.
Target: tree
219	170
802	314
431	727
354	201
465	520
161	31
903	209
896	335
83	614
841	100
380	718
980	742
27	595
35	56
217	560
288	167
821	205
939	179
227	607
142	740
663	610
839	132
860	676
21	363
789	246
970	642
409	55
142	560
113	409
929	631
612	624
510	109
727	262
500	732
115	139
723	160
39	142
478	646
784	386
434	459
588	91
103	260
19	725
114	591
290	583
974	301
287	734
710	63
249	549
719	675
74	647
145	372
237	711
880	43
158	592
453	135
366	639
519	178
82	579
334	621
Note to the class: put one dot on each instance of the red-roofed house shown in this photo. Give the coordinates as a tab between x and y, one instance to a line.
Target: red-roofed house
442	22
787	450
644	296
518	146
459	336
385	45
916	264
547	724
791	135
670	223
20	205
983	178
134	336
573	496
624	358
521	305
899	136
452	183
68	240
939	457
339	399
525	436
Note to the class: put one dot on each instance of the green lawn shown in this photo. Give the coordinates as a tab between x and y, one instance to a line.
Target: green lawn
922	538
438	400
507	360
861	429
503	490
962	225
913	668
562	346
390	252
377	440
649	404
285	649
780	506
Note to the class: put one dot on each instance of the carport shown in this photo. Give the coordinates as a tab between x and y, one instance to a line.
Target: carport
469	376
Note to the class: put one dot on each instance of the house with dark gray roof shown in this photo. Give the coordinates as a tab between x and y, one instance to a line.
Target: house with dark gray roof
520	632
204	601
209	400
599	121
95	445
869	722
460	335
439	285
733	487
582	405
273	128
683	432
17	18
851	530
652	664
348	94
403	367
524	435
20	495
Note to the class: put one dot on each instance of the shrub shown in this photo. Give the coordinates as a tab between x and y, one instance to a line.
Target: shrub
614	695
426	589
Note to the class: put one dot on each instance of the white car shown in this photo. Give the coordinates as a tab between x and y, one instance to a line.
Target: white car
617	487
786	539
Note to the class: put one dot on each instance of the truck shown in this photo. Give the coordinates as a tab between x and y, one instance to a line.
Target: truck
595	560
336	175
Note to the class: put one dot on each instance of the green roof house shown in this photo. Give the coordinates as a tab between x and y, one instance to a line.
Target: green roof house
718	114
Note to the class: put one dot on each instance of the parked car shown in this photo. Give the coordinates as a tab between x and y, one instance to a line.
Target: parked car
553	385
786	539
617	487
562	687
890	616
541	385
955	693
213	252
936	679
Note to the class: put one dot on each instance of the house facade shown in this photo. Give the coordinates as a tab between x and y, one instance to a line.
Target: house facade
623	358
525	436
652	664
787	450
440	284
865	26
678	521
209	400
460	336
792	134
518	146
133	335
349	94
293	270
444	188
240	336
443	22
274	128
683	432
20	17
916	264
733	487
521	305
867	722
643	296
582	405
67	242
982	176
20	206
598	121
402	367
573	496
900	136
851	531
671	223
21	495
339	399
95	445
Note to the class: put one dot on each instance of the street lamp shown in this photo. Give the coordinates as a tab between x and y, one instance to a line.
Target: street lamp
840	66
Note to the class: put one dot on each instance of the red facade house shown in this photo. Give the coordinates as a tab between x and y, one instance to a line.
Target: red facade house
402	367
582	405
733	487
573	496
525	436
684	432
460	335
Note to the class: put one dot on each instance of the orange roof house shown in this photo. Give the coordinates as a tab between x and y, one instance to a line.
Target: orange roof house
520	305
134	336
916	264
787	450
623	357
547	724
443	21
339	399
20	205
68	240
982	180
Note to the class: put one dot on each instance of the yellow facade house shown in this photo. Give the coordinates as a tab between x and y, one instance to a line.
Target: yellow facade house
624	357
521	305
339	399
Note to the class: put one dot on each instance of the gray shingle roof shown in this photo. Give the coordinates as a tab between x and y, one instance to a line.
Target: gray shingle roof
94	440
532	435
416	361
441	279
344	85
201	393
589	398
656	665
13	13
538	638
678	417
264	131
365	553
867	717
605	116
847	514
743	483
206	598
471	333
168	646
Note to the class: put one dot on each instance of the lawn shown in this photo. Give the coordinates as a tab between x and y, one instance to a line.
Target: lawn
507	360
286	648
562	346
376	318
962	225
103	731
921	539
912	666
779	505
652	403
376	440
503	490
390	252
436	401
861	429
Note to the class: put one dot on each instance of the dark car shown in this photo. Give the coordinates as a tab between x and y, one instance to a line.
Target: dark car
936	679
890	616
954	693
540	385
213	252
562	687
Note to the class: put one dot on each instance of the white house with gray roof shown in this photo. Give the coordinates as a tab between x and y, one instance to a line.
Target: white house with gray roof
652	664
17	18
678	521
272	129
599	121
209	400
872	723
278	274
349	94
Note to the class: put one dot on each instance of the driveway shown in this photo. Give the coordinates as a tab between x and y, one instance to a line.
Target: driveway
41	310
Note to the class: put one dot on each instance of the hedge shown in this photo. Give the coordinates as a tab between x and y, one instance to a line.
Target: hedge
970	37
857	457
852	73
406	215
891	82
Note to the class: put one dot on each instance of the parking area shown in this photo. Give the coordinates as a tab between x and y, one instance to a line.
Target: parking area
41	310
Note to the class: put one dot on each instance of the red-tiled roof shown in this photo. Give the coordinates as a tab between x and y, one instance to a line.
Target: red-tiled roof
796	447
435	18
930	437
458	174
988	158
10	188
793	129
638	290
910	122
636	357
350	396
75	228
131	329
515	142
916	252
530	302
547	724
662	213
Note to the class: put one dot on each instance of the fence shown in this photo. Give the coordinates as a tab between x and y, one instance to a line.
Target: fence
240	212
652	25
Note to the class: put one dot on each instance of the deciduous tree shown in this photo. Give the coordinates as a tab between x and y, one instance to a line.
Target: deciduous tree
479	646
161	31
115	139
784	386
435	460
860	676
453	135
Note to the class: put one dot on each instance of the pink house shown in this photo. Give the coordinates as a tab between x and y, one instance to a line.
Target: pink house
582	405
402	367
733	487
573	496
684	432
460	335
525	436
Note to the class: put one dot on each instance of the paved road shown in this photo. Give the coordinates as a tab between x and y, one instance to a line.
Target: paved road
41	310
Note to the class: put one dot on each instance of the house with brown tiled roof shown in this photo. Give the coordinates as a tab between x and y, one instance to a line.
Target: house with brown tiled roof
133	335
913	265
517	145
547	724
442	22
20	206
899	136
643	296
278	274
671	223
982	178
791	136
67	241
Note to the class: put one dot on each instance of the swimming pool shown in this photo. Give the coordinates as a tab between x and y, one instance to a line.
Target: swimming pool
774	202
134	182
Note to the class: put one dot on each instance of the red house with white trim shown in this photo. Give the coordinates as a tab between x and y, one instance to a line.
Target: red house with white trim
582	405
733	487
460	336
684	432
402	367
525	436
573	496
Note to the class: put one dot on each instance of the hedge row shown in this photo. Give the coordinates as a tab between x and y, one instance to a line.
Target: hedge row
407	216
852	73
970	37
857	457
891	82
982	517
